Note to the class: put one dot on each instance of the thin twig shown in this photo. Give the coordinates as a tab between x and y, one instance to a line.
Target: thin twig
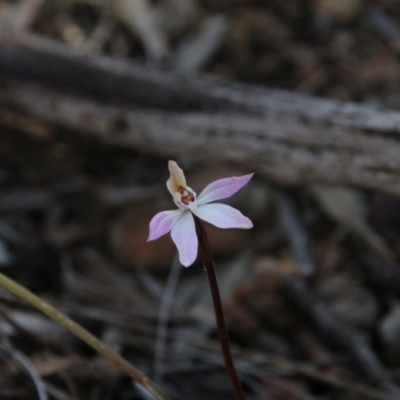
83	334
209	267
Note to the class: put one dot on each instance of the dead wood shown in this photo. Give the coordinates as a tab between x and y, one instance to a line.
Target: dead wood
291	138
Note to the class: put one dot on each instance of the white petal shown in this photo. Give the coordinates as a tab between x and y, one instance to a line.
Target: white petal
185	238
223	216
222	188
162	223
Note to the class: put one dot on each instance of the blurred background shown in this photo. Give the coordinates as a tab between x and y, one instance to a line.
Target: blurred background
97	95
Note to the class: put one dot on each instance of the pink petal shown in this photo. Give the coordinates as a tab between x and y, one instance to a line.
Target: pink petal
185	238
223	216
162	223
222	188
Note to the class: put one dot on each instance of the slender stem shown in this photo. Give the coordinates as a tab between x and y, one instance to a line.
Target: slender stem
83	334
209	267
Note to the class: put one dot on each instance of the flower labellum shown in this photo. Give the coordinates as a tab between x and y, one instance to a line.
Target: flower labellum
181	223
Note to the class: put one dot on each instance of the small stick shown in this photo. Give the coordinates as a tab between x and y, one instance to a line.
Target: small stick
81	333
209	267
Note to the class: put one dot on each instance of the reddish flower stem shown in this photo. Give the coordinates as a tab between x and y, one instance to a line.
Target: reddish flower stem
209	267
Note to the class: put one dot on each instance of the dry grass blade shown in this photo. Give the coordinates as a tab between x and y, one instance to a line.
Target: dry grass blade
27	366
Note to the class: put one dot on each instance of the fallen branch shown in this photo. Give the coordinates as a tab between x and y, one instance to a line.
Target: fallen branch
290	138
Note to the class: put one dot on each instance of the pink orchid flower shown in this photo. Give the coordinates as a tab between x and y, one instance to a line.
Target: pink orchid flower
181	223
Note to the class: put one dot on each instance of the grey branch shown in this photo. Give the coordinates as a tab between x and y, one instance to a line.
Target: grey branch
290	138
